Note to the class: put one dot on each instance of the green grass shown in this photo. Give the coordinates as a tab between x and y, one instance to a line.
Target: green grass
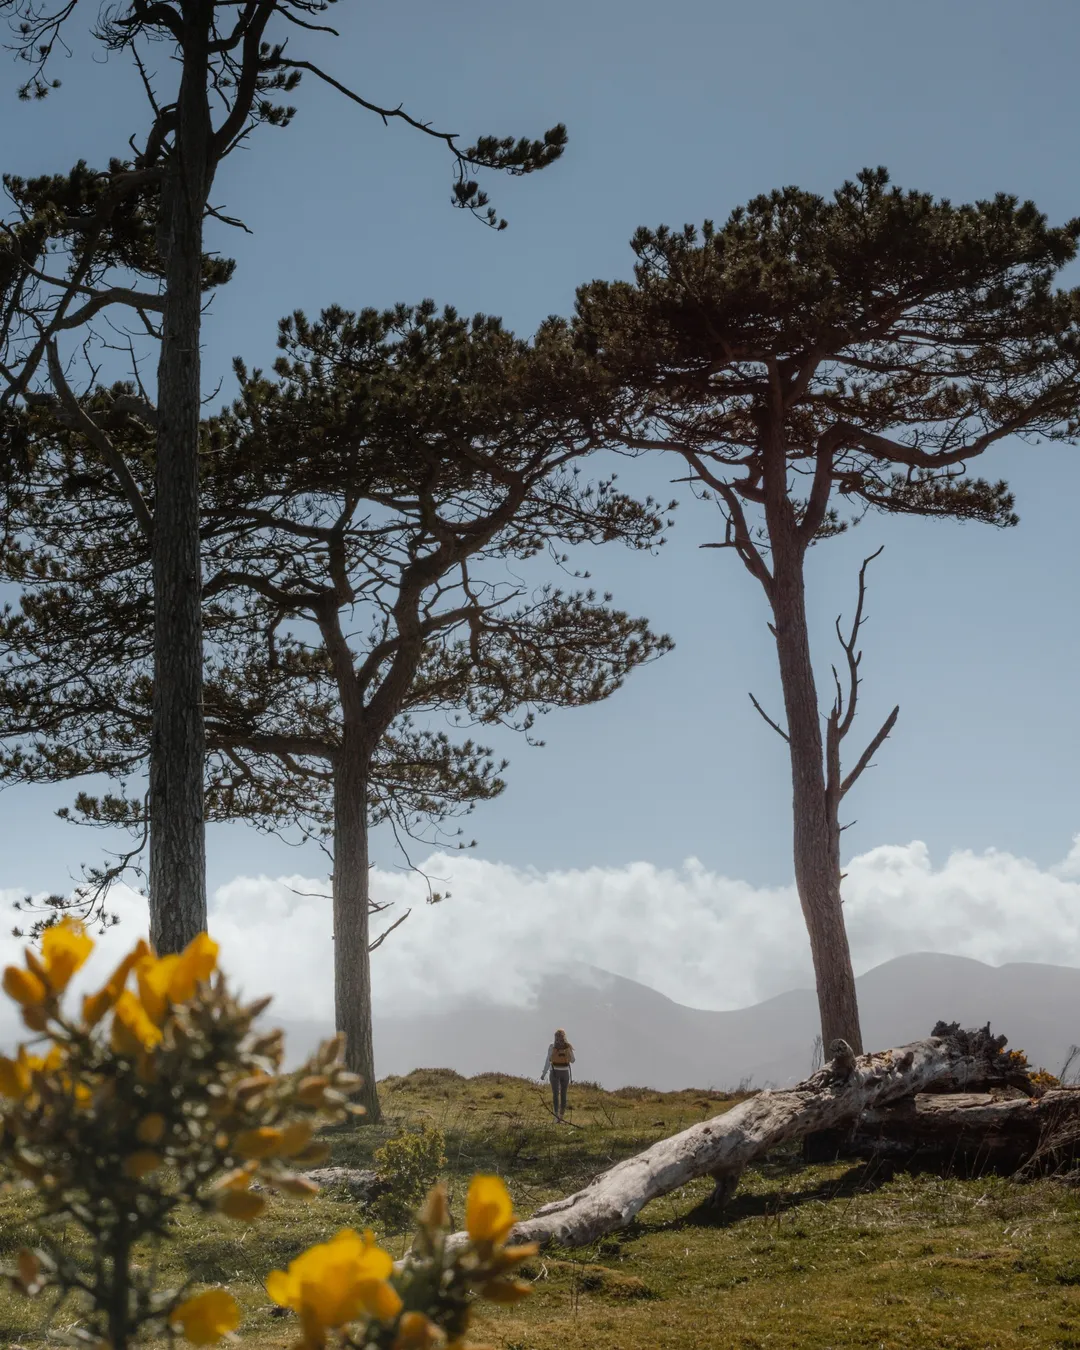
814	1257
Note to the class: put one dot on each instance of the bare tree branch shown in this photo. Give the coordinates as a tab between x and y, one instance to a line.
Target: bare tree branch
779	730
869	752
81	420
854	658
374	946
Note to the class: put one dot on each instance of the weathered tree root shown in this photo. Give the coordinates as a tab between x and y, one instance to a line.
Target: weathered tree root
722	1147
972	1131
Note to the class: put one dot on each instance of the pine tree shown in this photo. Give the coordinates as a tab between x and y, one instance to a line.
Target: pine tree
366	516
146	216
812	359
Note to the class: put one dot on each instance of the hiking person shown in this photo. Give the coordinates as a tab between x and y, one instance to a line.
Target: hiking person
560	1056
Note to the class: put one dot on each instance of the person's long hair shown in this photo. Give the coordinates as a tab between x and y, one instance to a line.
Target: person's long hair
561	1041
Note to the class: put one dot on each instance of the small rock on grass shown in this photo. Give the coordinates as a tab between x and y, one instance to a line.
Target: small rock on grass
361	1183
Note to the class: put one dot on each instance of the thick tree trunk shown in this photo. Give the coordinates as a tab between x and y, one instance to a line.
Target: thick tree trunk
352	959
722	1147
816	823
177	749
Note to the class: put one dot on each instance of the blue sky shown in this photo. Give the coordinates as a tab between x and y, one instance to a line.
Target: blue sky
675	113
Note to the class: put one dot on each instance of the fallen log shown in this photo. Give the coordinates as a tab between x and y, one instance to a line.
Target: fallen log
968	1130
723	1146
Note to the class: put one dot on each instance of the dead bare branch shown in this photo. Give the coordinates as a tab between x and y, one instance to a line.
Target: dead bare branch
869	752
779	730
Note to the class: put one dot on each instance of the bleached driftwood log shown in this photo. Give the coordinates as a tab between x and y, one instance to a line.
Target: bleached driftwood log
972	1127
723	1146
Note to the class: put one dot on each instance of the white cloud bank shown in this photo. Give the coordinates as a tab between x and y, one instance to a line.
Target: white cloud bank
701	938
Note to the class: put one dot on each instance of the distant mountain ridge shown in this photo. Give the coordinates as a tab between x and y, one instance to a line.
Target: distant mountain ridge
626	1033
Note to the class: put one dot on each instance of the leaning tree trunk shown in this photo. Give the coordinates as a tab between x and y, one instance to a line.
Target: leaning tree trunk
352	958
177	747
723	1146
816	826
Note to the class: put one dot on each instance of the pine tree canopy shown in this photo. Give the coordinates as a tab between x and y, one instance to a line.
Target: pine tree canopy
867	345
360	508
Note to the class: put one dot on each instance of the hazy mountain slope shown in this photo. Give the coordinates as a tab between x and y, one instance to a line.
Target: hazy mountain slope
627	1033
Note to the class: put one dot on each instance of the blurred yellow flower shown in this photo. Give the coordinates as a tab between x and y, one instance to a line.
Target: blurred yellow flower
150	1129
489	1211
292	1183
64	949
95	1006
243	1206
197	963
16	1075
332	1283
263	1142
237	1180
24	986
174	979
436	1211
132	1029
416	1332
142	1163
204	1319
310	1090
82	1094
506	1258
295	1138
153	974
506	1291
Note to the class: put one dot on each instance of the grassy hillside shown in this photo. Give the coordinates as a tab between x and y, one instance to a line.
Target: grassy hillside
813	1257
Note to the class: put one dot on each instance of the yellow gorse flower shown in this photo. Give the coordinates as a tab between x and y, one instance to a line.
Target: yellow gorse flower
295	1138
132	1029
417	1332
24	986
489	1211
333	1283
198	961
64	949
164	980
506	1291
207	1317
242	1206
16	1075
153	975
150	1129
141	1163
261	1142
95	1006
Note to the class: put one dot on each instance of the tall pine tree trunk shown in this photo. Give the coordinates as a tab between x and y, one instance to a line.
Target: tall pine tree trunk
816	825
352	957
177	836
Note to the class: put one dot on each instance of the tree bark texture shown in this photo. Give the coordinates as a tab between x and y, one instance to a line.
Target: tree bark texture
352	959
723	1146
815	813
177	751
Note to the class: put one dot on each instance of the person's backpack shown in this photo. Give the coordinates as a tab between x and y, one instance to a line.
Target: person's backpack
560	1056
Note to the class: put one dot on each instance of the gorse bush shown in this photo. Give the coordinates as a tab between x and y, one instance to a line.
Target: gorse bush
161	1096
408	1165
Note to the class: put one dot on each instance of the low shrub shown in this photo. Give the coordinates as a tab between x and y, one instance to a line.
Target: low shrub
161	1096
407	1166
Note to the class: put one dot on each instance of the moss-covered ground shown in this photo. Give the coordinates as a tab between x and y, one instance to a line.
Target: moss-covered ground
814	1257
